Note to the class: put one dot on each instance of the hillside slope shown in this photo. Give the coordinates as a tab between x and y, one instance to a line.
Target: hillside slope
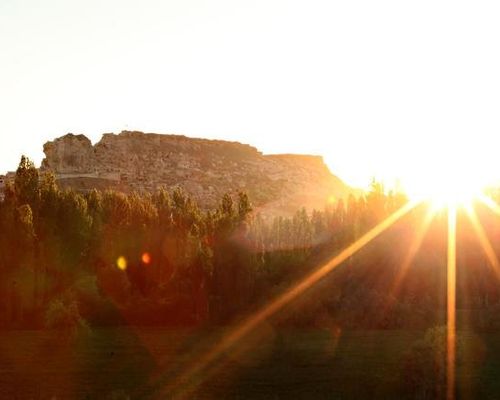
129	161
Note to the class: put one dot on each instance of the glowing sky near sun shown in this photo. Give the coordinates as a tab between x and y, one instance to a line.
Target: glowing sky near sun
384	88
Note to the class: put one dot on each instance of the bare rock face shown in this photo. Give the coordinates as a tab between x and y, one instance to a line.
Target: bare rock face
69	154
136	161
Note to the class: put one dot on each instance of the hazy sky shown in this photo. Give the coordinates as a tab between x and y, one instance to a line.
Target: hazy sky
377	87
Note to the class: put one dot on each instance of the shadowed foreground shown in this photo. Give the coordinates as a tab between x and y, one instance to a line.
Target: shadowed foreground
126	363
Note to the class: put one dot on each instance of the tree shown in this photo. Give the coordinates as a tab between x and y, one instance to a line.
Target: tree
244	206
376	202
424	365
26	182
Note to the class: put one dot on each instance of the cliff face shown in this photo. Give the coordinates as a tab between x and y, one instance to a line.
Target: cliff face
70	154
205	168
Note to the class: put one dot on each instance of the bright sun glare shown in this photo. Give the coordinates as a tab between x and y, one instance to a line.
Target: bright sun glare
449	182
446	190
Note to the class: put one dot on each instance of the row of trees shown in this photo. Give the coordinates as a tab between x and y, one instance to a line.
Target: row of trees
109	258
143	256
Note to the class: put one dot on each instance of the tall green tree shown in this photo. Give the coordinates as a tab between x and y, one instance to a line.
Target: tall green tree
26	182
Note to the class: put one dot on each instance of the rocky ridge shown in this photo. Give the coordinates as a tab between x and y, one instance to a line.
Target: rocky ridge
136	161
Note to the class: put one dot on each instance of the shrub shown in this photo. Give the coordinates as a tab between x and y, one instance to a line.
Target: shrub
62	313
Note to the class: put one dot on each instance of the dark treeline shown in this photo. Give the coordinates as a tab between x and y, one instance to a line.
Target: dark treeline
106	258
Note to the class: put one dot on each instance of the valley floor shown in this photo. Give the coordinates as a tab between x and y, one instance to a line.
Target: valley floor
121	363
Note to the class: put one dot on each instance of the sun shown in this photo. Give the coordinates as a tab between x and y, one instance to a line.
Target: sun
453	185
450	192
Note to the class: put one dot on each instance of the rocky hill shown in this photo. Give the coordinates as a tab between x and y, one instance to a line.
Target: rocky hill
205	168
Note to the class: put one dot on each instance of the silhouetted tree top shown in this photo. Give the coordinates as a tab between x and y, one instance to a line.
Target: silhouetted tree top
26	181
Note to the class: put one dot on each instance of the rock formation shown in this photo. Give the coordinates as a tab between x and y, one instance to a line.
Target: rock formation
136	161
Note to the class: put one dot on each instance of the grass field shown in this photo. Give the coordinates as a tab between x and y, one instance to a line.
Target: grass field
121	363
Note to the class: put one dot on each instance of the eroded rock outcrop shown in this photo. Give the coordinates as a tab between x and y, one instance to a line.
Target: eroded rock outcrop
206	168
70	154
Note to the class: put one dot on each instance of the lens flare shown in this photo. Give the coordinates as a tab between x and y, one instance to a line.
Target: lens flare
146	258
121	263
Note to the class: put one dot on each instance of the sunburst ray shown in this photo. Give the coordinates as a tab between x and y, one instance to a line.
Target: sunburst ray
484	241
451	303
257	318
492	205
412	252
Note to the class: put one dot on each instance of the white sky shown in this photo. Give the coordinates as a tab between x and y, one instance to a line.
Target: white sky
377	87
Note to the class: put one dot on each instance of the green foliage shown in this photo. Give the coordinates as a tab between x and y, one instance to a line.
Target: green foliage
26	182
424	366
200	266
244	206
158	258
24	222
62	313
